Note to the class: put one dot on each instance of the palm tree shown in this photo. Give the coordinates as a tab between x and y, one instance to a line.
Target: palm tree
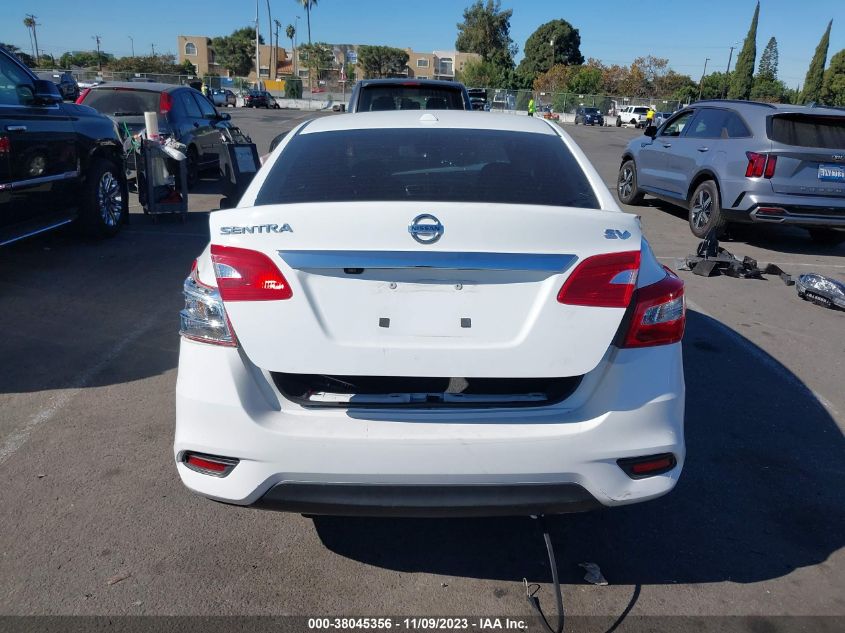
29	23
307	4
290	31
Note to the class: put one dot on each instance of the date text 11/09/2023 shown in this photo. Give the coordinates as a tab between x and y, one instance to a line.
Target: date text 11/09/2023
418	624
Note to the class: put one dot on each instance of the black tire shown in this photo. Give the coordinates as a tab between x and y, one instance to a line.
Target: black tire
193	167
705	210
827	237
576	120
105	199
626	184
618	122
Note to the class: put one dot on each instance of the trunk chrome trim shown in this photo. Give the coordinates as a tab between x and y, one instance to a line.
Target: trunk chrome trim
301	260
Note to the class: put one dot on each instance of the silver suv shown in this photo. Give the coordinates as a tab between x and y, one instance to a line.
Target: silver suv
744	162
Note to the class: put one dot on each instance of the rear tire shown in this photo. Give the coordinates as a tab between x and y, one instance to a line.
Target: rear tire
705	210
626	184
105	199
827	237
193	167
618	122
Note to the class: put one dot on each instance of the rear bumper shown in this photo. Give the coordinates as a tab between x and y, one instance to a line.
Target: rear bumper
797	210
425	462
427	500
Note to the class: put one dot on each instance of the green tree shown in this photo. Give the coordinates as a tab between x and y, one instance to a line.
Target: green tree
236	52
555	42
486	31
307	4
482	74
317	57
833	87
586	80
382	61
14	50
556	79
768	68
713	85
743	75
815	73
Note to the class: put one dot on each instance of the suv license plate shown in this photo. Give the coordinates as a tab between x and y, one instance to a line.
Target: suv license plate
834	173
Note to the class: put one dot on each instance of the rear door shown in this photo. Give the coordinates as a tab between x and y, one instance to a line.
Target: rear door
810	152
39	161
208	136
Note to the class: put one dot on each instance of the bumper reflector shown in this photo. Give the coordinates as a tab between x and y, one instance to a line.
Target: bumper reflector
649	466
209	464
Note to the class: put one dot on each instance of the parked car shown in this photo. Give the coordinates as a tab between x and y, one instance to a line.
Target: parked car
372	95
184	113
66	82
224	98
59	162
588	116
744	162
632	115
271	100
661	117
255	99
452	344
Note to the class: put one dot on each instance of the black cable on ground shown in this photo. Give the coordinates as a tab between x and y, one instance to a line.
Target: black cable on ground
533	600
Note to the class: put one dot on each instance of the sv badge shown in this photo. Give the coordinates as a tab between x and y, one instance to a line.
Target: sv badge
615	234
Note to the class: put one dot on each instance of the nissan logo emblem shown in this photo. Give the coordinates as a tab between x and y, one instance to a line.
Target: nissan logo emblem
425	228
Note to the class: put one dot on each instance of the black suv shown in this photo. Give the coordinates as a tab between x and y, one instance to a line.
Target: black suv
372	95
66	82
588	116
184	113
59	162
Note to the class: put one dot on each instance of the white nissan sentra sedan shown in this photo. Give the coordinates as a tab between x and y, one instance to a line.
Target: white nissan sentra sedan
429	313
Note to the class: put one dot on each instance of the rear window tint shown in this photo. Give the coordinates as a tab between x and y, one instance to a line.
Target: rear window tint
802	130
379	97
122	100
452	165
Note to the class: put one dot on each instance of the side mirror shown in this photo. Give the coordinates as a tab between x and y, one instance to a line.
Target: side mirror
46	93
651	131
275	142
225	116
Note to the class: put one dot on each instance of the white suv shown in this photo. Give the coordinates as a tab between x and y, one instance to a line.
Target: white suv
410	333
632	115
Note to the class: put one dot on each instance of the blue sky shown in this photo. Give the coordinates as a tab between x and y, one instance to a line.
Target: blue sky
686	32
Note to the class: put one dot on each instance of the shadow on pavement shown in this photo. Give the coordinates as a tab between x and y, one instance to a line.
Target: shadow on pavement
760	496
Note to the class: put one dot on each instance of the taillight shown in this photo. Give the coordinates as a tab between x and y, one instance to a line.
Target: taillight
760	165
209	464
247	275
165	102
602	281
82	96
203	319
659	314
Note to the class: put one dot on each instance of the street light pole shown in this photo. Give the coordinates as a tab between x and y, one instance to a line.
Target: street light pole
96	38
727	73
132	42
257	52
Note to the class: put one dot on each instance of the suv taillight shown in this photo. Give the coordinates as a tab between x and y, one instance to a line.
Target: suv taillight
760	165
659	315
82	96
247	275
602	281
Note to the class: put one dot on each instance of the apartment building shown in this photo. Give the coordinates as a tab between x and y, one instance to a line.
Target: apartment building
437	64
199	50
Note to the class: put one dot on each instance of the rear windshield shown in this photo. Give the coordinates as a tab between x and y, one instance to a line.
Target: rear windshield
125	101
398	97
591	110
802	130
452	165
640	110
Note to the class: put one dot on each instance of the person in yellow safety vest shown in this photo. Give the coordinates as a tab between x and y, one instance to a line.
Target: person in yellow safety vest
649	116
531	107
204	89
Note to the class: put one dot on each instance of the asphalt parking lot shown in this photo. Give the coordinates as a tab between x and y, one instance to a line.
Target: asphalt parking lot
96	521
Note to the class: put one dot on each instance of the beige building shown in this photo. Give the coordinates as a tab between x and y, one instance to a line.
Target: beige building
198	50
437	64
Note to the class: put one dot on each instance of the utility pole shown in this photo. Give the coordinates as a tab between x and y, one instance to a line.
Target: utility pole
271	73
34	35
153	49
727	73
278	26
133	44
96	38
701	83
257	52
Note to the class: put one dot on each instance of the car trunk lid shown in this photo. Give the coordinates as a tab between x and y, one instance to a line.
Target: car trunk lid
810	151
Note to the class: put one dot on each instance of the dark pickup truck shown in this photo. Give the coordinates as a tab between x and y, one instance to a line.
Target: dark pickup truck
59	162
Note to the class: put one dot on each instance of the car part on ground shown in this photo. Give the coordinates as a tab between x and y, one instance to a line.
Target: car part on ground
730	162
821	290
711	260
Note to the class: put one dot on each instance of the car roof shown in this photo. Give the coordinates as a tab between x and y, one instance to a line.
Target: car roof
141	85
429	119
405	81
759	107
